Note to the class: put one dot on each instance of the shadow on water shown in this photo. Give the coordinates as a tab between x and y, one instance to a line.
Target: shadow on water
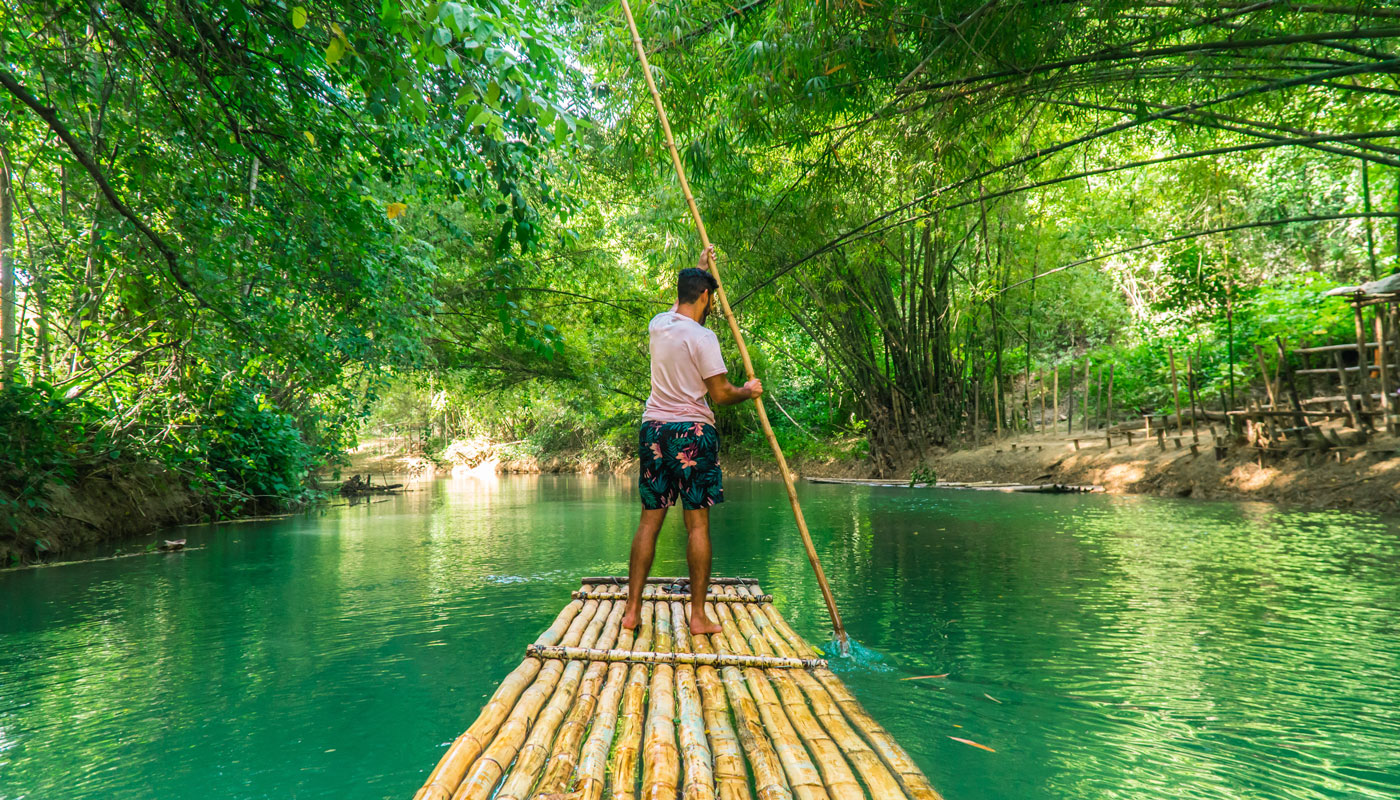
1103	647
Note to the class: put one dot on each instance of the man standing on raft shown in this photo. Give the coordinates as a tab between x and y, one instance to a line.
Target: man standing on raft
678	445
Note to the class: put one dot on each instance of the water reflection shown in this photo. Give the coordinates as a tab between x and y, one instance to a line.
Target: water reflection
1103	646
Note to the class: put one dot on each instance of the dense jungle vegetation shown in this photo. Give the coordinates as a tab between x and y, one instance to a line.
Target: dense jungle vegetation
233	232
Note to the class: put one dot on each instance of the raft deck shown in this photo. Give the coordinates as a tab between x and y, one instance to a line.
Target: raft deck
596	710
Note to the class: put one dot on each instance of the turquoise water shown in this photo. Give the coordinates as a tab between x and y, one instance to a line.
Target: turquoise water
1104	647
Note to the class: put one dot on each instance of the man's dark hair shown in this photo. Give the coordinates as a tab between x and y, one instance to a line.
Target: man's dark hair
692	282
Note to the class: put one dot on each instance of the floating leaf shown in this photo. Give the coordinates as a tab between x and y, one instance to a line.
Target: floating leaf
395	210
989	697
298	17
974	744
922	677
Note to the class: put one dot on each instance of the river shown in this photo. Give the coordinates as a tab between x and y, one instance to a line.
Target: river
1102	646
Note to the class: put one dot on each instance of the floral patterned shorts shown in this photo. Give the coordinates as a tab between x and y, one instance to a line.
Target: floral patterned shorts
679	459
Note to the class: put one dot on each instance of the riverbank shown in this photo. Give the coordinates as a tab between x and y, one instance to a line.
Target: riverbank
118	503
1361	478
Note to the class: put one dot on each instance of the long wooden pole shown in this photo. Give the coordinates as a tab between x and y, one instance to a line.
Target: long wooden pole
839	629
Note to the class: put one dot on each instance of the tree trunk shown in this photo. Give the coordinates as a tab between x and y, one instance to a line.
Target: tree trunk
9	307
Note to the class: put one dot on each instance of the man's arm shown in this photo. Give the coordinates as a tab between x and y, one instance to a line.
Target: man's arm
727	394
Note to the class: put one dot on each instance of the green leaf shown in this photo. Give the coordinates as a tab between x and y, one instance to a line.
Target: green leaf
298	17
335	50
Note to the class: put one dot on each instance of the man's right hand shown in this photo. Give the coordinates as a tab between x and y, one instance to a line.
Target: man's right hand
707	258
754	388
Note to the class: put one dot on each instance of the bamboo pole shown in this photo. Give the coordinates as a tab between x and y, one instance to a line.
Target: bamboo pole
582	654
915	784
839	780
803	778
1055	423
593	764
564	757
690	712
730	776
661	759
654	580
769	781
536	751
1354	408
447	775
881	782
631	718
481	780
812	557
614	594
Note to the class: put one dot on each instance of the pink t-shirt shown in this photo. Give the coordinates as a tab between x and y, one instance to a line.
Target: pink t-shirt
683	354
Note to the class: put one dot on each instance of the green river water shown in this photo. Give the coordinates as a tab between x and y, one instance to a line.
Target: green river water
1104	647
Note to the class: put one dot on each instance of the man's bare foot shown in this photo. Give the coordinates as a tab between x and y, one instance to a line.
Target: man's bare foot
631	619
703	624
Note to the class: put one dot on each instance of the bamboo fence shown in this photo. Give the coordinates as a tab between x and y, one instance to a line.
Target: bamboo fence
750	713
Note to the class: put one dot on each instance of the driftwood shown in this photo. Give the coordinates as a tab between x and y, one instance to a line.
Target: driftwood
358	487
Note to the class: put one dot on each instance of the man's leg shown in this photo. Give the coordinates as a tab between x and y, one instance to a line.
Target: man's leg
639	566
697	556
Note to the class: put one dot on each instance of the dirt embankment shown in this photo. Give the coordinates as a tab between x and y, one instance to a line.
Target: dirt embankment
112	504
1351	477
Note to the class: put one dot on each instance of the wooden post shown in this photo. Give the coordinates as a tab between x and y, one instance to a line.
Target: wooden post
1300	421
1387	404
1176	392
1055	418
1069	411
1084	410
1098	402
976	413
1191	395
1363	361
996	401
1264	374
812	558
1110	399
1147	424
1040	378
1354	412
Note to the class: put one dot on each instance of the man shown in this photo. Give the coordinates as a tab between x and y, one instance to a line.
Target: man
678	445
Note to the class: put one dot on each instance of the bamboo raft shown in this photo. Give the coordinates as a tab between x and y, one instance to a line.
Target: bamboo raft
750	713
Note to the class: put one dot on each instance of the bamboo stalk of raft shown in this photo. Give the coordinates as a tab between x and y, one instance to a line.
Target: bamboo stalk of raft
730	777
661	763
450	769
808	782
877	776
611	594
486	773
621	580
563	758
536	751
769	781
593	763
915	783
636	657
695	750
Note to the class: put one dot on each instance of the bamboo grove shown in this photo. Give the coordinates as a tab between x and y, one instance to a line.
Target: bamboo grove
224	209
